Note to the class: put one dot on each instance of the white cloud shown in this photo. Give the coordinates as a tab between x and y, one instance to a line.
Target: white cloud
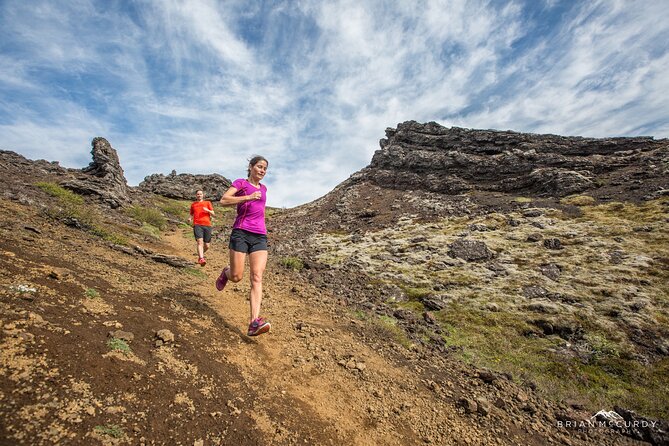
603	65
201	86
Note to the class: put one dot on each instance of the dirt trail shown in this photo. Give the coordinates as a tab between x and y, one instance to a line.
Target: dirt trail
314	381
301	390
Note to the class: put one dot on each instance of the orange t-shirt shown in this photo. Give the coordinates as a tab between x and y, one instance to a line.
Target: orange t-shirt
200	216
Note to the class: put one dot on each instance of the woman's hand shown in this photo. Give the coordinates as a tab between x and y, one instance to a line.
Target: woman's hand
255	196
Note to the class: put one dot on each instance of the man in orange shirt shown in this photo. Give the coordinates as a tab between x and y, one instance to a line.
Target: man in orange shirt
200	212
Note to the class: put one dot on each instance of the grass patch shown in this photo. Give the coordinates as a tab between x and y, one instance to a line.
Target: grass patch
118	345
197	272
151	231
578	200
176	208
388	326
63	195
413	305
110	430
416	293
292	263
70	206
359	314
598	369
109	236
458	277
615	212
522	200
91	293
150	216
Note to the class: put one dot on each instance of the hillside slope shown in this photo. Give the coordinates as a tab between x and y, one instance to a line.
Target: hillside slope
540	256
110	336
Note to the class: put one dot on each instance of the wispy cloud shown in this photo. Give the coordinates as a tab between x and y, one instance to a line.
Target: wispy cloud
202	85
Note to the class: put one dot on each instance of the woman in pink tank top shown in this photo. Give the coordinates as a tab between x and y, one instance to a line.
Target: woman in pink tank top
248	237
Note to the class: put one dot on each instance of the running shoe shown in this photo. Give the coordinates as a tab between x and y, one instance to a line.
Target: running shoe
202	261
258	327
222	280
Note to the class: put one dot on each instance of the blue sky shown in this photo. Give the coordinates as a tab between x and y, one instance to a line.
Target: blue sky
201	85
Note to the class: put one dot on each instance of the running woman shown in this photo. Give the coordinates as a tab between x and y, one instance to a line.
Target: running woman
200	212
248	237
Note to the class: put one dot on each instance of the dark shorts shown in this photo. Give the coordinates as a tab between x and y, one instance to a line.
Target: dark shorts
248	242
203	232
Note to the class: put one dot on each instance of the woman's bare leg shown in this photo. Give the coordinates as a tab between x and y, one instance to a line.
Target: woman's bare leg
236	271
257	263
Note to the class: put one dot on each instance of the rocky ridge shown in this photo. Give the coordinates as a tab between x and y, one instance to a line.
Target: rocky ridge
456	160
432	171
183	186
104	179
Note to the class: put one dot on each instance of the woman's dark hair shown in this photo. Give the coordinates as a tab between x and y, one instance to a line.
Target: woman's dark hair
253	161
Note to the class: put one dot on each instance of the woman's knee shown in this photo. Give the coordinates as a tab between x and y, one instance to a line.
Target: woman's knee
235	276
256	277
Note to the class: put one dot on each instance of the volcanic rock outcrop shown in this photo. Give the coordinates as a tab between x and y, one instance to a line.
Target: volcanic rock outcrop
184	185
431	171
455	160
103	177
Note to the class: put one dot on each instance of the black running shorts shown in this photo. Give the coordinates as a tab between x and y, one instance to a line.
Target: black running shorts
247	242
203	232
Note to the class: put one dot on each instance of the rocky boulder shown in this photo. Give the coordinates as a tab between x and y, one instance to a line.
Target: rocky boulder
470	250
184	185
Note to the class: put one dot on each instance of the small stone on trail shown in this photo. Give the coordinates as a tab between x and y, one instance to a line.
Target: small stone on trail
165	335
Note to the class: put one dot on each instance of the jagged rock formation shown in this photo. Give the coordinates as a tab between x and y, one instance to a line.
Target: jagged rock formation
184	185
455	160
103	177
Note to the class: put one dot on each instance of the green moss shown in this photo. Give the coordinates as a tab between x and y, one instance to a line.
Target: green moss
413	306
109	236
151	230
611	375
388	326
458	277
416	293
337	232
359	314
68	205
291	263
578	200
179	209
